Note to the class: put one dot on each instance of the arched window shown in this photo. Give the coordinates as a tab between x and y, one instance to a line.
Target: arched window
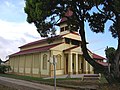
58	65
45	61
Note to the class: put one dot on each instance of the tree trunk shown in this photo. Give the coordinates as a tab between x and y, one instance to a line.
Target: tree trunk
86	55
116	62
114	75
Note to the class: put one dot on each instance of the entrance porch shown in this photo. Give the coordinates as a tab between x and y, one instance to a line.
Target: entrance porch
75	64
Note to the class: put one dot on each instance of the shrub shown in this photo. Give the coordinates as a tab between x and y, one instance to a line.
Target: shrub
4	68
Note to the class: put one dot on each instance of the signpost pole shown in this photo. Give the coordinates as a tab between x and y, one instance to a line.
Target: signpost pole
54	63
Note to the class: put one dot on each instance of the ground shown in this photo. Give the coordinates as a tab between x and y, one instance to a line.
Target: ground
30	83
26	85
3	87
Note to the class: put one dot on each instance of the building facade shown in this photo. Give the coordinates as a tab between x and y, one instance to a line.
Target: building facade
33	59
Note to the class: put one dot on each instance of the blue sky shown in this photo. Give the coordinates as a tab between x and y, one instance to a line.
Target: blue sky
99	42
15	31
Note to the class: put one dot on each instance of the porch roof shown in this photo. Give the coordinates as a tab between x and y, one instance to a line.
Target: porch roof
70	48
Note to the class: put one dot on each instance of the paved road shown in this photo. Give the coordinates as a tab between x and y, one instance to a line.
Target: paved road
26	85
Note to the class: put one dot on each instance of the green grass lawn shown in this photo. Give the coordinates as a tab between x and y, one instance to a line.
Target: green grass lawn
68	82
64	81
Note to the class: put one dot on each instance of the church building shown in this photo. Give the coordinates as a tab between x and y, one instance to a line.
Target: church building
33	59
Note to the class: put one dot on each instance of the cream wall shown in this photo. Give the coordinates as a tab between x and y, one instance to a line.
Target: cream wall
36	70
60	71
62	47
22	62
30	65
16	64
12	64
45	72
73	36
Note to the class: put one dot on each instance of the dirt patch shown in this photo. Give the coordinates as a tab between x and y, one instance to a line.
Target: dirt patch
3	87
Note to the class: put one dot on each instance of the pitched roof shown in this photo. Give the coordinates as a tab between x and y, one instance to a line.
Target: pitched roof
39	49
103	63
75	33
67	14
44	40
39	41
95	56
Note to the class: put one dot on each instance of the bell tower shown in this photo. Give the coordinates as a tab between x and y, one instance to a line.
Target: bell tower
64	28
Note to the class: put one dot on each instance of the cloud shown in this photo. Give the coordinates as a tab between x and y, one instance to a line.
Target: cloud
7	47
9	4
14	30
12	10
13	35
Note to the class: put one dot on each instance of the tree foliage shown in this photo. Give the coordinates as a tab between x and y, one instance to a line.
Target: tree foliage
110	54
45	14
4	68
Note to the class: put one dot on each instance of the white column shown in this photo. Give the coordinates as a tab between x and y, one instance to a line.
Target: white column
76	64
86	67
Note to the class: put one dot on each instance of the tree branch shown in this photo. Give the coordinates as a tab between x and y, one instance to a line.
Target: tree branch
104	13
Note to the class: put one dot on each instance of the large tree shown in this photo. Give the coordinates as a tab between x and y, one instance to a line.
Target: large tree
109	10
45	14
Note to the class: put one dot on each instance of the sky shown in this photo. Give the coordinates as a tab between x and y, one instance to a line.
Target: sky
15	31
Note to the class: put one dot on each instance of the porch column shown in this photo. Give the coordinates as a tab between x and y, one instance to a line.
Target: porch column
70	64
86	67
76	64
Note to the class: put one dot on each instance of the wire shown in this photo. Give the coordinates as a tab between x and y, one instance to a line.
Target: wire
99	49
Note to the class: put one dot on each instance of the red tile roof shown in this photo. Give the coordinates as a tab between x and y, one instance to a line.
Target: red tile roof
32	43
67	14
44	40
95	56
38	41
75	33
39	49
103	63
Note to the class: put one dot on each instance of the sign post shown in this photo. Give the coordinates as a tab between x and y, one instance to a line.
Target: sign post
54	61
